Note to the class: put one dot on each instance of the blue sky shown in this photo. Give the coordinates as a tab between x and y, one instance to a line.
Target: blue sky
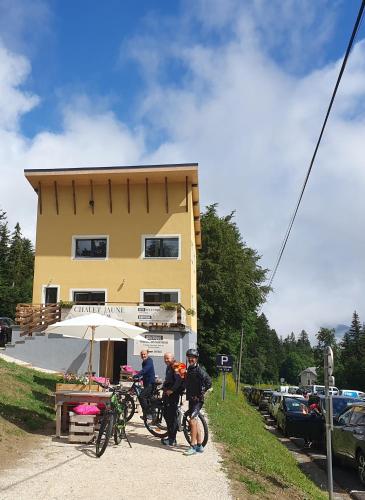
239	86
83	49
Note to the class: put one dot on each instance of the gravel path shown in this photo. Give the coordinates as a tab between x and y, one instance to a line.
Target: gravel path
58	470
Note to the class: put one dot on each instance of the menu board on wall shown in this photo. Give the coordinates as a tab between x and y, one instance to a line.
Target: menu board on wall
156	344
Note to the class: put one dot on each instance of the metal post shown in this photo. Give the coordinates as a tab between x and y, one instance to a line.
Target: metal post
239	364
224	386
329	421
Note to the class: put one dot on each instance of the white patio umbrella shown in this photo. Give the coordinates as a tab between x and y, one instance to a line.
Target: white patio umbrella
96	327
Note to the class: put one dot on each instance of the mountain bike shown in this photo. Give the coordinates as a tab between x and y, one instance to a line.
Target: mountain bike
155	421
113	421
127	397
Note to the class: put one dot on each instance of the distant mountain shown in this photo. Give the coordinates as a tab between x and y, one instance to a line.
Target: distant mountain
340	330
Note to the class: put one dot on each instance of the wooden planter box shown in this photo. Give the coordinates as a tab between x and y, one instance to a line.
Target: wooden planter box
77	387
81	428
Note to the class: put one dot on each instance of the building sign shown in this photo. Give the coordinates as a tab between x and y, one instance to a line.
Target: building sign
129	314
156	344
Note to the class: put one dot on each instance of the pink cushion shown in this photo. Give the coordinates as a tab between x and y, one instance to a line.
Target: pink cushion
86	410
128	369
101	380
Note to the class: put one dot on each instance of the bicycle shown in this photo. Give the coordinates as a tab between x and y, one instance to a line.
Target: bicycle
127	395
155	421
113	422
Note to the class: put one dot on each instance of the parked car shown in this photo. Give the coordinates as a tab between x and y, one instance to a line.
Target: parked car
280	397
352	393
275	396
291	411
264	399
312	426
319	389
348	438
256	394
6	330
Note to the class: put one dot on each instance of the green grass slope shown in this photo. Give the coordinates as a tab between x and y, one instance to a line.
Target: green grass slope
254	457
26	405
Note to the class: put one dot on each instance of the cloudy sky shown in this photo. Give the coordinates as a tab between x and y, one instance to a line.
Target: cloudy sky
239	86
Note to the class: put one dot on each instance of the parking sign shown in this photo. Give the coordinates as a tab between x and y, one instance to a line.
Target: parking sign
224	362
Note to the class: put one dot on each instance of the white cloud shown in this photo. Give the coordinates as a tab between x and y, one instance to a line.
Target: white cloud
252	125
87	138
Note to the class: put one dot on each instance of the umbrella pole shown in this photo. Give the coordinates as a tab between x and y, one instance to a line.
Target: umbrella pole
107	359
91	355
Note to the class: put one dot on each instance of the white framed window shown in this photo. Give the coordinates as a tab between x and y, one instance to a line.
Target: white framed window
159	295
50	294
161	246
88	295
90	247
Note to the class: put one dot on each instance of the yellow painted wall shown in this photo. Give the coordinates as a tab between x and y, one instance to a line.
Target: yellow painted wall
124	273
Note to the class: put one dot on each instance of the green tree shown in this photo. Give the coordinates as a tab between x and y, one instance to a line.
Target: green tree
352	355
16	268
293	364
230	287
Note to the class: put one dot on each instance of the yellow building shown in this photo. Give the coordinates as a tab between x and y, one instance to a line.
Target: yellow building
125	237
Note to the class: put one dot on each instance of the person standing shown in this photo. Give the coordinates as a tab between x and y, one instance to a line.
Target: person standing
197	383
147	374
172	389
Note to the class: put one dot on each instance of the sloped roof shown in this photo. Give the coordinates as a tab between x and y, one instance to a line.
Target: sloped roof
310	369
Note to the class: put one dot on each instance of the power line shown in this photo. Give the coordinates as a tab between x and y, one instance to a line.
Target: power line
344	62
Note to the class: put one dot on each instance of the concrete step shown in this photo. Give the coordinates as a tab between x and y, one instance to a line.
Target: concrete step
9	345
20	342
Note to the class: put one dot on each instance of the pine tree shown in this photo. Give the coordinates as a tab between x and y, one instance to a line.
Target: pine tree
230	287
16	268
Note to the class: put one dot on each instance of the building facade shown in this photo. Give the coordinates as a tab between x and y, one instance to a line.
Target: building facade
308	376
122	241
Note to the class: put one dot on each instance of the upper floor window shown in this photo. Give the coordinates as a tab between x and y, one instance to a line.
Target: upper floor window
159	297
90	247
162	247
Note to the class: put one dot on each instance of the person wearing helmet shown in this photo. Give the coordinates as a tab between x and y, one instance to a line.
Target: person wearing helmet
197	383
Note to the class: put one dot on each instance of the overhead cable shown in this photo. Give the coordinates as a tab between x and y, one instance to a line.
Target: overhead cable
343	66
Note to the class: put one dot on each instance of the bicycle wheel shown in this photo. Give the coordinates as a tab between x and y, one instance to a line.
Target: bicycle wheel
105	432
202	425
130	406
118	429
154	420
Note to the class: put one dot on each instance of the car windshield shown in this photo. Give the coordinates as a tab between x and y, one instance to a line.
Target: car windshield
293	405
340	404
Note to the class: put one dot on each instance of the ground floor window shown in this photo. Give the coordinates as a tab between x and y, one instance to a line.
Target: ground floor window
159	297
88	297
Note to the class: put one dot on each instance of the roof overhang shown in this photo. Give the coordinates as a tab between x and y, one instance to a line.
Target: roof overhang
135	173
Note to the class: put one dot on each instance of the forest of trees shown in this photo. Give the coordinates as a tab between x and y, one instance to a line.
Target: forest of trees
231	289
16	268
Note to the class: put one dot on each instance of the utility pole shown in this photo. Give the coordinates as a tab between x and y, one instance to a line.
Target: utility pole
238	380
328	381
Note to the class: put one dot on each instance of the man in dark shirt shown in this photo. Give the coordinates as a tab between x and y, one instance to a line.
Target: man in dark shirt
172	389
197	383
147	374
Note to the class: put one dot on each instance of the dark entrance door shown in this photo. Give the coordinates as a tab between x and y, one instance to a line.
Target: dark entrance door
120	358
50	296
